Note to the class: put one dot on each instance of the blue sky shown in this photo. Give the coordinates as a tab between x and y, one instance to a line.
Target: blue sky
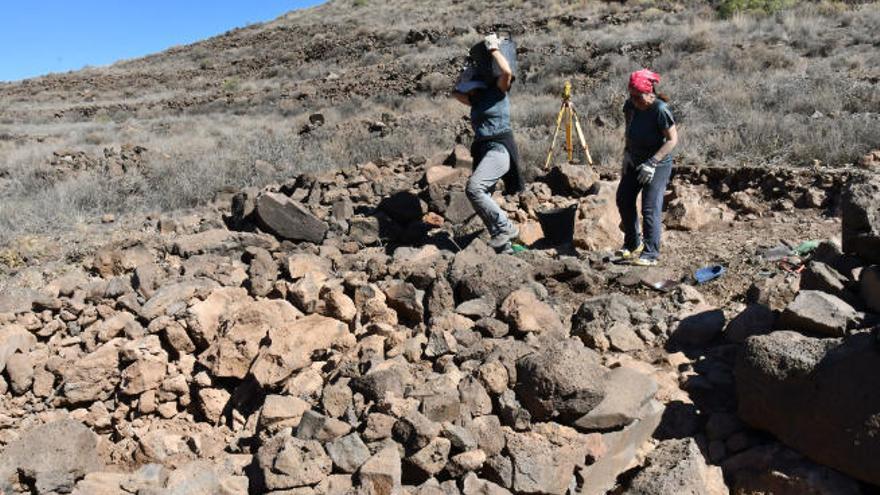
42	36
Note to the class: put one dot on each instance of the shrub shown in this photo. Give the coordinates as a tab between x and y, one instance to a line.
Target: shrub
727	8
436	83
695	42
230	85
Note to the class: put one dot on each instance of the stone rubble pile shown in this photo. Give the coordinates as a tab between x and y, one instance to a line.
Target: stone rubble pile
339	336
809	382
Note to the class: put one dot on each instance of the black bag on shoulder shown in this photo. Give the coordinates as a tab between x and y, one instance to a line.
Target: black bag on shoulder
482	61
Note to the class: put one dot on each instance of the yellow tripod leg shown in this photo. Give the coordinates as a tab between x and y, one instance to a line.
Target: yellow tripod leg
555	134
577	123
568	144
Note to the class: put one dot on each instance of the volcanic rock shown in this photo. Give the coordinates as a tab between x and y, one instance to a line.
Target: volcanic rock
817	312
293	343
381	474
809	393
677	466
288	462
626	394
861	220
288	219
528	314
54	456
564	378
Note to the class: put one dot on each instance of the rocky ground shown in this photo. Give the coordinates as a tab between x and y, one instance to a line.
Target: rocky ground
351	332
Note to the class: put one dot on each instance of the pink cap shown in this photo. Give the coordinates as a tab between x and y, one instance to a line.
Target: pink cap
643	80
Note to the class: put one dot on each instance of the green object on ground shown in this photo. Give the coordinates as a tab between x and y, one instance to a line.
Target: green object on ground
518	248
806	247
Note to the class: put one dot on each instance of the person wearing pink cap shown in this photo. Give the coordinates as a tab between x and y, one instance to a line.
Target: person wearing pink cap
651	137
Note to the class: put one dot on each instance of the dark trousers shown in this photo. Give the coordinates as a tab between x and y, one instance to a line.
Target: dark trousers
652	209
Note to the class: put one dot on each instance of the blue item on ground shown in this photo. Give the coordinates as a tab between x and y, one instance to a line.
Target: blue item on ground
709	273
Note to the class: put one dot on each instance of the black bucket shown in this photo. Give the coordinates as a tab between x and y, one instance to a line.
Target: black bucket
558	224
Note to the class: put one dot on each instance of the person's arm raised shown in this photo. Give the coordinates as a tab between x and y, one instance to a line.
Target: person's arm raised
506	77
493	44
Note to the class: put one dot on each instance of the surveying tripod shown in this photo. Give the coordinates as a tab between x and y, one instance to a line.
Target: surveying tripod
567	112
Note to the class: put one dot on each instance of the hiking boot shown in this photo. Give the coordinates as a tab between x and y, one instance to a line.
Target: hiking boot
626	254
645	262
503	238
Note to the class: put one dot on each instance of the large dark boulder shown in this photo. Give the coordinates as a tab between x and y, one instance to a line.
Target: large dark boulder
478	271
861	220
677	466
699	328
816	395
822	277
869	288
755	319
53	456
288	219
563	378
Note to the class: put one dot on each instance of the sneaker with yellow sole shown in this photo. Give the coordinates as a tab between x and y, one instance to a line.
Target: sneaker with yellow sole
626	254
644	262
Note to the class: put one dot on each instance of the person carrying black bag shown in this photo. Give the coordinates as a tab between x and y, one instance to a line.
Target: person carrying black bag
494	148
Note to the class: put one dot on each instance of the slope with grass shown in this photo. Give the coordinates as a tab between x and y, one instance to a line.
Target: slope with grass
786	88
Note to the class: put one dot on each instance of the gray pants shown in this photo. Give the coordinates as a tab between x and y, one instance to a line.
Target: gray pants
482	182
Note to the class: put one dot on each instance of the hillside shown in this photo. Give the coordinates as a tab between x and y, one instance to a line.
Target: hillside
786	89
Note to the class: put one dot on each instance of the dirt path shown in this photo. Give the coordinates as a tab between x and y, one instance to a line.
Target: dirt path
737	246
